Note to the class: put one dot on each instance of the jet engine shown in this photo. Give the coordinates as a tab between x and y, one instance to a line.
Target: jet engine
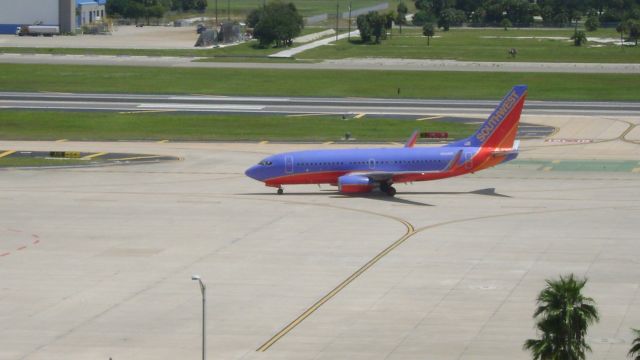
355	184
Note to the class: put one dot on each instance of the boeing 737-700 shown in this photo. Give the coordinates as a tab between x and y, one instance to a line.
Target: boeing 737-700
365	170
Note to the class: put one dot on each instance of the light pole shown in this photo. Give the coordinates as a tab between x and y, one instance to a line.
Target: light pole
203	289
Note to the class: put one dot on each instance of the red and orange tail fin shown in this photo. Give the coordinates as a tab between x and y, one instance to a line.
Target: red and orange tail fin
500	129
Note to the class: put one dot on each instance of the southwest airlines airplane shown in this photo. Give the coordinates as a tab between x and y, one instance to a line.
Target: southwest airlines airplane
365	170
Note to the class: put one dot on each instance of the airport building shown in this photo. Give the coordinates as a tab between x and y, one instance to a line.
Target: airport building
90	11
41	12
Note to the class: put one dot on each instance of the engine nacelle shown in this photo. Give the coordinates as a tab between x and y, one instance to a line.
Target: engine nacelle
354	184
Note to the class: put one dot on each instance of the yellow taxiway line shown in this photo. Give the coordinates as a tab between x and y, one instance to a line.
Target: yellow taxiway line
139	158
430	118
409	233
6	153
301	115
89	157
359	115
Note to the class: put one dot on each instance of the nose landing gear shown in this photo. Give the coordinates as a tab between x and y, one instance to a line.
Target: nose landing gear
280	191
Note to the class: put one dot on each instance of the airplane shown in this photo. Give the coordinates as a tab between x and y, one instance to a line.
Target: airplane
369	169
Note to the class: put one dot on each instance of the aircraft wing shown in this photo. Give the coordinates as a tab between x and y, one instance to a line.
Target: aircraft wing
381	176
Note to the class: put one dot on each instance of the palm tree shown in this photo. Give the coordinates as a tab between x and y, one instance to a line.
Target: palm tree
563	316
635	349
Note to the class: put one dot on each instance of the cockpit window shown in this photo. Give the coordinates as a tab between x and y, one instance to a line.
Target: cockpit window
265	163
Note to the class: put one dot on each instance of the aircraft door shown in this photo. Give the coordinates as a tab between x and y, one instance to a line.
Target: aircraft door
372	164
468	163
288	164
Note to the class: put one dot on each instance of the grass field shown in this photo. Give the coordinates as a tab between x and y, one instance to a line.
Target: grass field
338	83
485	45
46	125
533	45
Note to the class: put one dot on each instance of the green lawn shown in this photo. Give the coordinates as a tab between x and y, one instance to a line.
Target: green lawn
456	44
335	83
47	125
484	45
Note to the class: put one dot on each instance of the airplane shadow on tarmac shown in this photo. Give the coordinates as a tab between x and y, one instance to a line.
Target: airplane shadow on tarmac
397	199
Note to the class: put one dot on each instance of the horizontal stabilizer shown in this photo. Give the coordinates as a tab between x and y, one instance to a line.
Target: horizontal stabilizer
506	152
412	139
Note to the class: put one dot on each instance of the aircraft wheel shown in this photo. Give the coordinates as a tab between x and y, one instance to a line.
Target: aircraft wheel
280	191
391	191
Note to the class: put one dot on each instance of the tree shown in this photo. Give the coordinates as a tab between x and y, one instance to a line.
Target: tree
388	23
253	17
622	29
450	17
635	348
279	23
377	22
422	17
506	24
200	5
428	30
592	23
136	9
364	28
372	25
562	318
633	27
579	38
402	11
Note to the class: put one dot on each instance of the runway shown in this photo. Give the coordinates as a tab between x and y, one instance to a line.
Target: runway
97	262
297	105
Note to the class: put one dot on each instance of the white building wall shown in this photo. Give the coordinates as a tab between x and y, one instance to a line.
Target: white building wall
29	12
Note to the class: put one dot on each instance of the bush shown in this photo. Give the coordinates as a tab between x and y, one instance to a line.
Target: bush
422	17
579	38
506	23
592	23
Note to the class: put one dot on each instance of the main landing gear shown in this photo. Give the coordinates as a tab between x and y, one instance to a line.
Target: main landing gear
280	191
387	189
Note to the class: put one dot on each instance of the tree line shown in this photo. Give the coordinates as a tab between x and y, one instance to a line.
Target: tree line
136	9
521	12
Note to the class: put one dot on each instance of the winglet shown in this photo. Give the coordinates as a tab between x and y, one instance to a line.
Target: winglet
412	139
453	161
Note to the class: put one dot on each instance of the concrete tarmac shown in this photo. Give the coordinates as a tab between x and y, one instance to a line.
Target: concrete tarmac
97	262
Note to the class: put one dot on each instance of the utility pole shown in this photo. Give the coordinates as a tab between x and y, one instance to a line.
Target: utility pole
337	17
216	13
349	31
229	10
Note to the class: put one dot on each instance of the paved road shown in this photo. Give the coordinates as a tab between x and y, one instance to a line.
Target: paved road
342	64
301	105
